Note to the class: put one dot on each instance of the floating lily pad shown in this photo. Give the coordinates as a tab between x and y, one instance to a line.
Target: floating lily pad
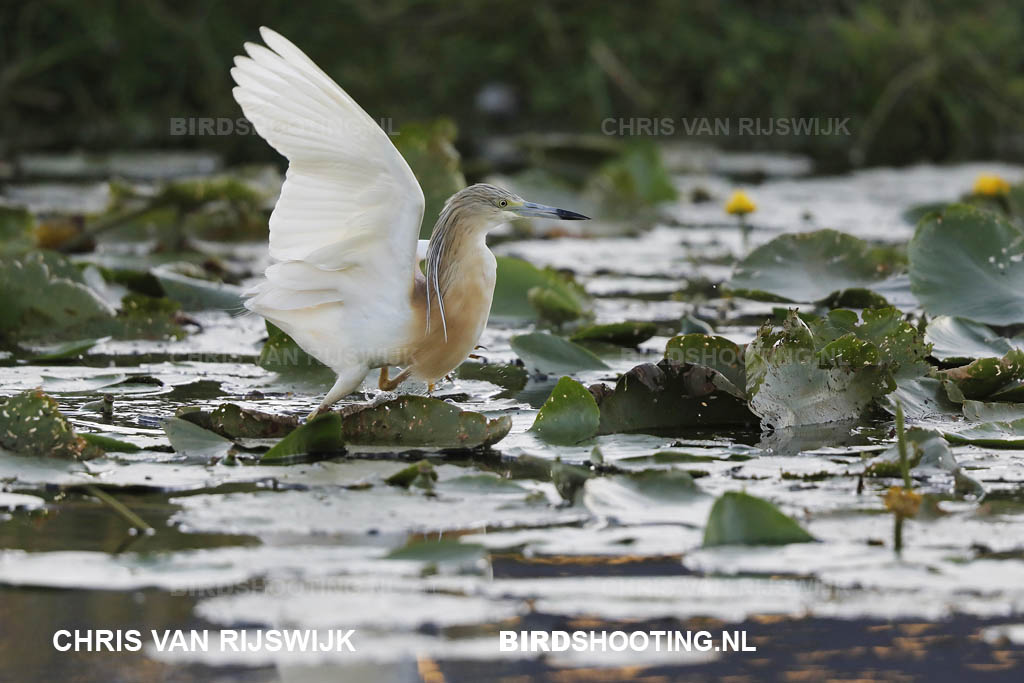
812	266
985	376
321	435
31	424
554	306
419	475
970	263
992	434
281	354
830	369
429	149
553	355
515	279
235	422
979	411
66	350
628	334
925	448
508	376
670	397
924	397
195	294
42	301
570	414
194	442
718	353
109	444
740	519
420	421
445	550
959	341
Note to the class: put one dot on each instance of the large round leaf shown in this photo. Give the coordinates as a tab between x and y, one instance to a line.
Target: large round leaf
969	263
569	416
810	266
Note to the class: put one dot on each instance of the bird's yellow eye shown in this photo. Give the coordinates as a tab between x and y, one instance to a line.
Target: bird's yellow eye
503	203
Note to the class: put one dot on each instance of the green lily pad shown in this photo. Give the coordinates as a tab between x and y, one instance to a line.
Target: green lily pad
628	334
959	341
553	355
553	306
429	149
508	376
445	550
281	354
570	414
44	299
31	424
741	519
194	442
925	448
321	435
419	475
195	294
420	421
16	225
830	369
991	434
985	376
718	353
65	350
109	444
671	397
970	263
235	422
978	411
515	279
811	266
924	397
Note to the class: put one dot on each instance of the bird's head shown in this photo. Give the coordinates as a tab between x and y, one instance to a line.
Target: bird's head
489	206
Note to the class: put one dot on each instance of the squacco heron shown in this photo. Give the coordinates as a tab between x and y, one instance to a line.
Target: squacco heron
345	283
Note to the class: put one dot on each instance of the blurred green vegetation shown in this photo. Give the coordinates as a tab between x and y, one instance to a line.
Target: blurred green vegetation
940	79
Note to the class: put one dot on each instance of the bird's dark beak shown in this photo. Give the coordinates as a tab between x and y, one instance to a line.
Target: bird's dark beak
541	211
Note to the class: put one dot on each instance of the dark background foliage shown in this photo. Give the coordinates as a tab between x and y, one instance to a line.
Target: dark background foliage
940	80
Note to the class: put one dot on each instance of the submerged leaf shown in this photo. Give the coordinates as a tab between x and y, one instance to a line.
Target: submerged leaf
569	416
740	519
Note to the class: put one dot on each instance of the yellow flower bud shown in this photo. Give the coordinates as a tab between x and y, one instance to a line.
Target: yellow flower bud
740	204
990	185
903	502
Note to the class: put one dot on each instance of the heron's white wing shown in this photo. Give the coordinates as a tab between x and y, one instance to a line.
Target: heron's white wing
346	225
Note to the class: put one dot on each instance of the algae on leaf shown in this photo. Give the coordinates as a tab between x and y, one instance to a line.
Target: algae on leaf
32	424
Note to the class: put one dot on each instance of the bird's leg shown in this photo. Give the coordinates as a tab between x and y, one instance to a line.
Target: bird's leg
430	389
386	384
346	383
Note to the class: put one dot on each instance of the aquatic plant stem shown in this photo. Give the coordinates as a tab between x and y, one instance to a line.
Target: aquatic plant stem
120	508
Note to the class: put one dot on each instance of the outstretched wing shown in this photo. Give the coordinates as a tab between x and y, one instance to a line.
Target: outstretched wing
346	225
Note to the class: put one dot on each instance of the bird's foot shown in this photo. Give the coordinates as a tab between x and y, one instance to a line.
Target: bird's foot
382	397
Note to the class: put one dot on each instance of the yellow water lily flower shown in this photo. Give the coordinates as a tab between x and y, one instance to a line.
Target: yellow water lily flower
740	204
990	185
902	501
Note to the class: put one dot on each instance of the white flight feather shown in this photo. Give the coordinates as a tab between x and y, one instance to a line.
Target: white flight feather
344	231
